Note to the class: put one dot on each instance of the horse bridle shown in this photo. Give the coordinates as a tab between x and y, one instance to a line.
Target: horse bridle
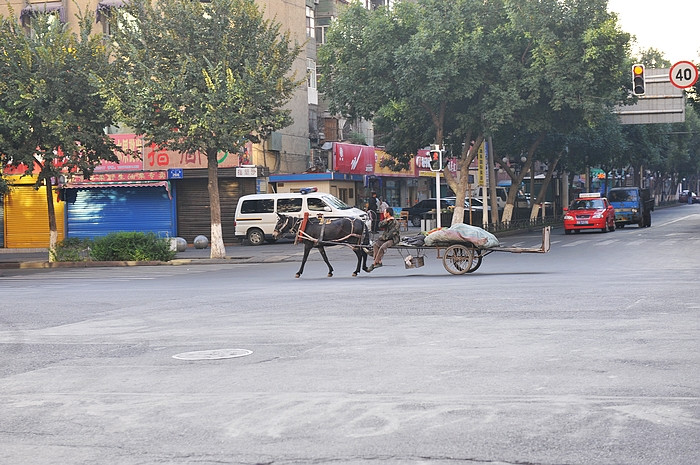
293	229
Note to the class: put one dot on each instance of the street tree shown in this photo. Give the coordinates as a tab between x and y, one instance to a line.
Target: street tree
52	118
478	69
201	77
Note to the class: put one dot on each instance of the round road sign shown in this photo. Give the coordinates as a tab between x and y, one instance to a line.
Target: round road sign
683	74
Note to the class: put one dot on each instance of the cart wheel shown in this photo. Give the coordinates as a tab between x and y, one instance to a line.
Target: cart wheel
476	263
458	259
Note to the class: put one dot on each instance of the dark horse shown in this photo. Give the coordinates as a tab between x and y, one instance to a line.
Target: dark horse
319	232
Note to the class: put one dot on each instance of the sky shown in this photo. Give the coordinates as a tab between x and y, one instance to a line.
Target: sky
666	25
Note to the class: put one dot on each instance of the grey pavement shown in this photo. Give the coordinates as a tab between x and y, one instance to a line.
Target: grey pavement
283	250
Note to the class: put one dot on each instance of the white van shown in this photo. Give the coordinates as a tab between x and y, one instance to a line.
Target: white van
256	214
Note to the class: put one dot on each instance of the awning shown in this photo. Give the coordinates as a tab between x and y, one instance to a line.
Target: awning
42	8
109	185
104	6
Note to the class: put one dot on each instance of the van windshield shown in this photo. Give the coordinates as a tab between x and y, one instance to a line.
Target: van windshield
336	202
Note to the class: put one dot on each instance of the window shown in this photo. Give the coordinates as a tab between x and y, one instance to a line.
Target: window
55	9
258	206
104	8
321	32
311	81
310	22
289	205
315	205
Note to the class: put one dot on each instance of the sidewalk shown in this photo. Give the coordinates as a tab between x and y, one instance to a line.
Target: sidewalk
235	253
283	250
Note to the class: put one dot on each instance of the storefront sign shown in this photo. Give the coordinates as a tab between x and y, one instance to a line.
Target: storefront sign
380	170
128	142
157	158
354	159
247	172
122	177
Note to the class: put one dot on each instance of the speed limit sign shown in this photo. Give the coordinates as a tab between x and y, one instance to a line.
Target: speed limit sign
683	74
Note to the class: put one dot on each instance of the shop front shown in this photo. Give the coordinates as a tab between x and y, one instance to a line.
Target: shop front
115	202
26	218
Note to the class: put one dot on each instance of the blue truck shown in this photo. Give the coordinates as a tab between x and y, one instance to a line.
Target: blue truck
633	205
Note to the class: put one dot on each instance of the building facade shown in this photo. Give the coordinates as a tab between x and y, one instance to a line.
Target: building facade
166	192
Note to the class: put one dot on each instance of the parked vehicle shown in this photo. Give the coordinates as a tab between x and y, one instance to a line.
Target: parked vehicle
416	212
256	214
633	205
477	210
521	200
589	211
683	197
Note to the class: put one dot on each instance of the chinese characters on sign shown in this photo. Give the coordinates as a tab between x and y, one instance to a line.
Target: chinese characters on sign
152	157
124	177
129	142
247	172
157	158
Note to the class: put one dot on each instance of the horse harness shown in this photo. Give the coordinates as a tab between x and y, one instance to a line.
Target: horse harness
302	234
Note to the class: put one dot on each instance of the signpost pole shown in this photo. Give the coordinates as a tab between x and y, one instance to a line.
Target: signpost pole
437	196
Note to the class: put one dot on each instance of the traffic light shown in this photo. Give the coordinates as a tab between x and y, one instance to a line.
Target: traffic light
435	155
638	84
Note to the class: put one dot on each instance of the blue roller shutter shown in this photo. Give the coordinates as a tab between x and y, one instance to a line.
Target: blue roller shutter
100	211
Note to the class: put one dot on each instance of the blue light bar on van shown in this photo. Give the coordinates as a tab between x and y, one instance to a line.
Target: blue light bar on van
307	190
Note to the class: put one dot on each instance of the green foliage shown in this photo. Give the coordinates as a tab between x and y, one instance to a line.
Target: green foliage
357	138
475	67
121	246
131	246
72	250
200	76
51	116
4	187
653	58
456	71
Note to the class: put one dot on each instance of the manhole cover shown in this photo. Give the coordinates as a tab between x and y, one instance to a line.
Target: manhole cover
215	354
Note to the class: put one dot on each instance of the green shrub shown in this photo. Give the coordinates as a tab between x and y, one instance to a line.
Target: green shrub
73	249
131	246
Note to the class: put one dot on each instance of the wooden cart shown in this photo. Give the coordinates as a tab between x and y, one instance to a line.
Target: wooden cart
464	257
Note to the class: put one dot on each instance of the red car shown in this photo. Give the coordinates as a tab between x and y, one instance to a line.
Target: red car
589	211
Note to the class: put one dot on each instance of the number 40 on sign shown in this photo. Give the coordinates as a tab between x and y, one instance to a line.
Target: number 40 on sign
683	74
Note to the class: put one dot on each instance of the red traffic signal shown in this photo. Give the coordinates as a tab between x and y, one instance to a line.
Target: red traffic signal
435	160
638	82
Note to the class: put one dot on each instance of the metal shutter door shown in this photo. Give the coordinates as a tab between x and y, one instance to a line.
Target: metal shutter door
193	217
101	211
27	218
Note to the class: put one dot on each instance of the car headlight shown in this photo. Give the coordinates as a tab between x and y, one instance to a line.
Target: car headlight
598	214
634	210
568	217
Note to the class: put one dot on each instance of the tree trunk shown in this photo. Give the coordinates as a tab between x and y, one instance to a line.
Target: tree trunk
217	239
517	179
535	212
53	230
460	188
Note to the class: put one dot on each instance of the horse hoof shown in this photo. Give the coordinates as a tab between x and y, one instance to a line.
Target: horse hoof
330	275
354	274
297	275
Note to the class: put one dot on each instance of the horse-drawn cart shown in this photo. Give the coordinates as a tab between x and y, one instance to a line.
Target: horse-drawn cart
463	257
460	253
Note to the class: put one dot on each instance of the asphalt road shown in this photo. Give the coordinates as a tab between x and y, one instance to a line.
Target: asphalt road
585	355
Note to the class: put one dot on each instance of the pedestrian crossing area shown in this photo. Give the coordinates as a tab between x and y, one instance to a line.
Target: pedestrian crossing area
594	240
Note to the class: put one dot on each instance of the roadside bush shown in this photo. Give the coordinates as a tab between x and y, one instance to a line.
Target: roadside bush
131	246
73	249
